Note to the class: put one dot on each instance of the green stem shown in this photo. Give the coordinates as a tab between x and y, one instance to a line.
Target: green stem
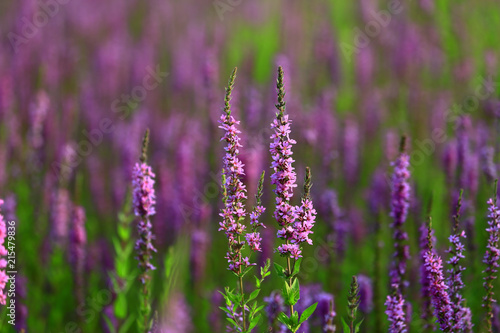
242	293
290	275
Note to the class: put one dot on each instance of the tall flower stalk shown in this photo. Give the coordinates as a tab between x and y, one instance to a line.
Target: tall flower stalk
461	321
296	222
3	263
233	217
491	258
144	201
400	202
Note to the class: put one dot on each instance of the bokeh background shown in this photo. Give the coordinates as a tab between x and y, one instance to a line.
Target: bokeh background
80	81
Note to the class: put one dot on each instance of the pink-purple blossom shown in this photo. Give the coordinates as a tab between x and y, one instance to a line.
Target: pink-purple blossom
144	198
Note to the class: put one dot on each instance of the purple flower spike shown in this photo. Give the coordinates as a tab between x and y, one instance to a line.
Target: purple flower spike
395	312
296	222
461	314
491	259
144	197
3	263
400	202
439	290
234	190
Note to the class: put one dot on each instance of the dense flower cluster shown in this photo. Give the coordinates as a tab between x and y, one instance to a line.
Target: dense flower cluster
439	291
395	313
400	199
235	192
144	201
144	198
3	263
491	257
295	222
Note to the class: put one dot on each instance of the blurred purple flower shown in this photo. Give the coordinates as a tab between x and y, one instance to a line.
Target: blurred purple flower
365	293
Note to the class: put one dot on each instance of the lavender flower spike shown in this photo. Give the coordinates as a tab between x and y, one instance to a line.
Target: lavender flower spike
284	176
144	200
400	199
233	188
395	313
439	290
3	263
454	281
491	259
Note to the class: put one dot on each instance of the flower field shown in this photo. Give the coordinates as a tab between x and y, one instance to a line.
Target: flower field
249	166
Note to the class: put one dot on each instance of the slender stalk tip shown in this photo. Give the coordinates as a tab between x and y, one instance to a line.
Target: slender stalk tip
281	92
145	144
402	144
229	89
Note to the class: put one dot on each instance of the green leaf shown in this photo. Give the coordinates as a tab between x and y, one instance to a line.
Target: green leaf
124	233
254	322
120	306
287	294
296	267
346	327
280	270
295	320
111	328
295	291
257	282
127	324
356	328
253	295
307	313
248	269
233	322
283	318
225	310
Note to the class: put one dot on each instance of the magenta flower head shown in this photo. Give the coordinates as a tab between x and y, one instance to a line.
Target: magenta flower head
3	263
144	198
491	259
